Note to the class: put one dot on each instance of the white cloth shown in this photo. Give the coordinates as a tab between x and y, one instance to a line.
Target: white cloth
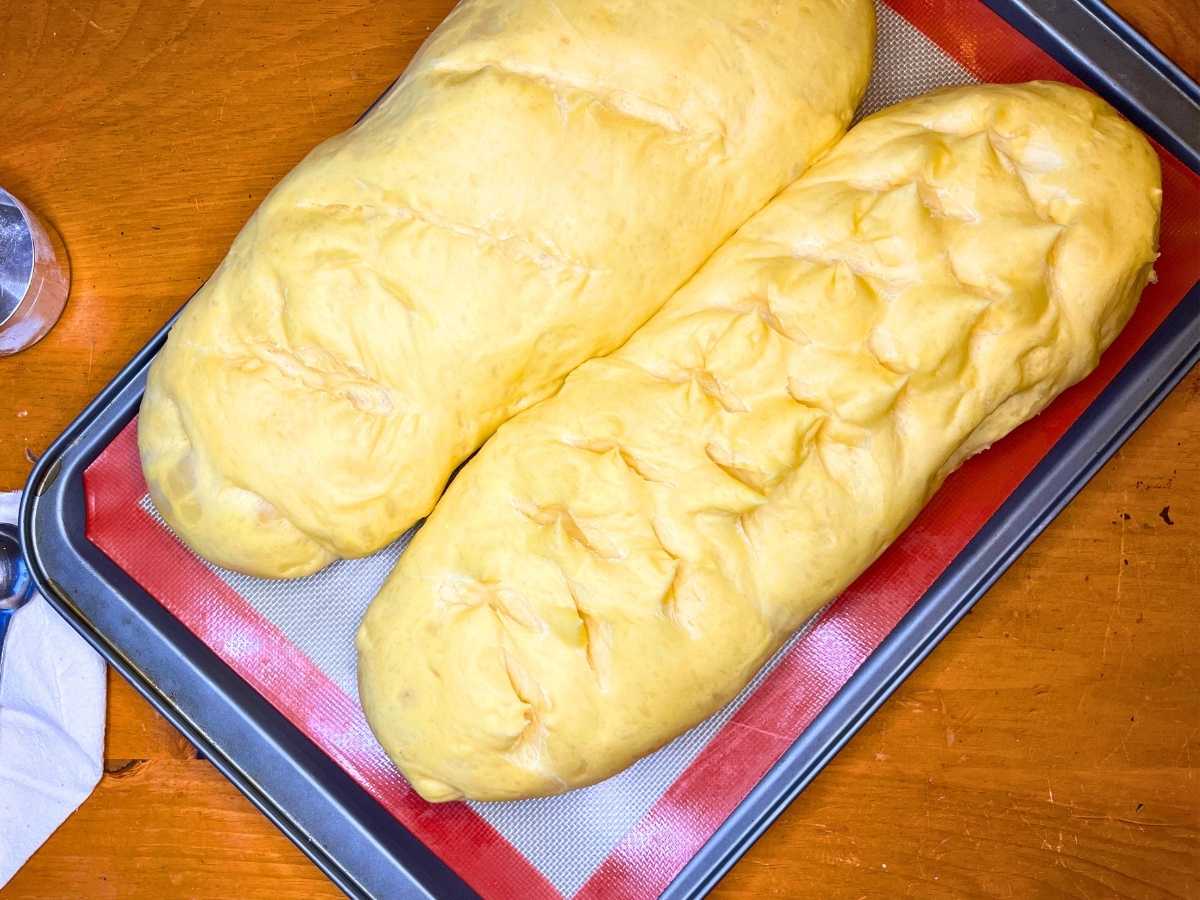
51	724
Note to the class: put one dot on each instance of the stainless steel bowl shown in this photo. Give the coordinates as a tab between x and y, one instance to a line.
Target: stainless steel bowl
35	276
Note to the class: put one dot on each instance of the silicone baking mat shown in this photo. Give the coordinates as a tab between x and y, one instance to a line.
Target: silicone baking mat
629	836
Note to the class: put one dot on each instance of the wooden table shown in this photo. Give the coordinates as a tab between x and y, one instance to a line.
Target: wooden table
1048	747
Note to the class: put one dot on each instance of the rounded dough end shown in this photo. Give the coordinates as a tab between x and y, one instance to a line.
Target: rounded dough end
231	527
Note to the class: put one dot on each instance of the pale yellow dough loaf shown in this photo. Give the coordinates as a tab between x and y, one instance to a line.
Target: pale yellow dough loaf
543	177
618	561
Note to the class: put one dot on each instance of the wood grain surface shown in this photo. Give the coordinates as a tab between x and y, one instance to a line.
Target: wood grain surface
1047	748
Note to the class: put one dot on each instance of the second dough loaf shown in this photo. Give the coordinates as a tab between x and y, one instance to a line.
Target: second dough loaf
617	562
541	179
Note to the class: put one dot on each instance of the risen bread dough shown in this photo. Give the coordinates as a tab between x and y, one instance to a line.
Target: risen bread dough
618	561
540	181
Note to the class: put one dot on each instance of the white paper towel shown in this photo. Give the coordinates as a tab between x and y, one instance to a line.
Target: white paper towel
51	724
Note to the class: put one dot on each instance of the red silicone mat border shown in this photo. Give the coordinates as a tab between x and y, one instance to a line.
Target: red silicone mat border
652	853
118	525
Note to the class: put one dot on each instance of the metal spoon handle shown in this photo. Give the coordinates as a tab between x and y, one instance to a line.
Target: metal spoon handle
16	584
5	615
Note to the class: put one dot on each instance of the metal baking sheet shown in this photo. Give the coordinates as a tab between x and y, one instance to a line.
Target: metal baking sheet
288	770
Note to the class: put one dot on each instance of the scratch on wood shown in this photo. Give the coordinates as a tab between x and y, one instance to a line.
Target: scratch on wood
1123	745
1116	604
312	107
1187	751
92	22
1140	826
